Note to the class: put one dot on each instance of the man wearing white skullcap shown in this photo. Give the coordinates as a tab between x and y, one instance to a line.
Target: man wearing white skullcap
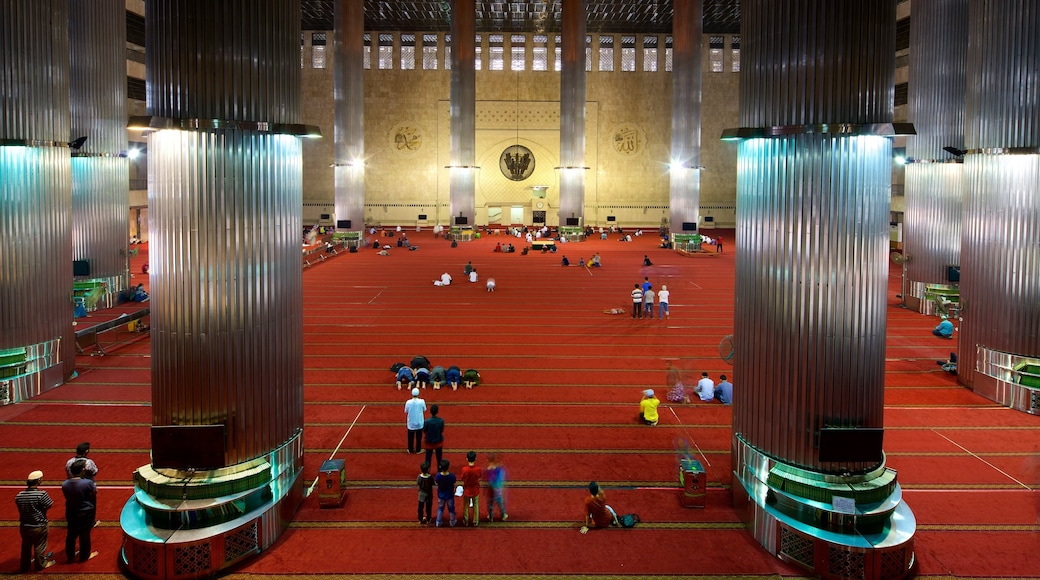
648	408
33	504
415	409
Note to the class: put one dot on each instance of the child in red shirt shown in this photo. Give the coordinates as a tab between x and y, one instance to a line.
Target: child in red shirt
471	475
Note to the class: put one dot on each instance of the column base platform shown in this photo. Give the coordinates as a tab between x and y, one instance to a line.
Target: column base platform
817	536
200	537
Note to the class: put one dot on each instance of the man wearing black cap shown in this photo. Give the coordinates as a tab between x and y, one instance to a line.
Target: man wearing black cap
597	513
33	504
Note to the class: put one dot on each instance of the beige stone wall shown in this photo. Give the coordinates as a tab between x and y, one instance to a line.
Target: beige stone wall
628	139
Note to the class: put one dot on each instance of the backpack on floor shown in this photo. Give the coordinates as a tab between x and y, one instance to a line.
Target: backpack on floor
629	520
396	367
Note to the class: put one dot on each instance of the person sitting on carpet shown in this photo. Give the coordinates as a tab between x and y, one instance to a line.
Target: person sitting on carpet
944	329
646	260
140	295
444	281
498	247
565	261
472	275
677	390
595	261
648	408
597	513
454	377
468	268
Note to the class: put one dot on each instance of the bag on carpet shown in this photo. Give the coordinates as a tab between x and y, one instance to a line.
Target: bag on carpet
396	367
629	520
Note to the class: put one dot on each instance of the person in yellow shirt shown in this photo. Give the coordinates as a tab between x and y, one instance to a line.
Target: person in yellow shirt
648	408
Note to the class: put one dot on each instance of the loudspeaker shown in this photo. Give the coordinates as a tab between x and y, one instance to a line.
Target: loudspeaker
462	220
611	218
343	224
198	447
422	216
851	445
573	221
326	216
709	218
689	226
953	273
81	268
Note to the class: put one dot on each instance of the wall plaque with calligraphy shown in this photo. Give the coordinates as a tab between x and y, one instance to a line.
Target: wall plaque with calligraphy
628	139
516	162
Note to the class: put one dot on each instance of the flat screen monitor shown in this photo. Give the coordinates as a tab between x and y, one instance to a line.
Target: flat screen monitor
573	221
326	216
462	220
611	218
422	216
689	226
953	273
851	445
198	447
343	224
81	267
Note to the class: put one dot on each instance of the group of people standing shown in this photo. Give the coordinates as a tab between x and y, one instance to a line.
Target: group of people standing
431	433
643	297
80	513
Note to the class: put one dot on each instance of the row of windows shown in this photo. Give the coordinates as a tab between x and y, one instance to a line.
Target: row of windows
425	50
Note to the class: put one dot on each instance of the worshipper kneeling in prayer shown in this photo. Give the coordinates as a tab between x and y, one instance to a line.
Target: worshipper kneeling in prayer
444	281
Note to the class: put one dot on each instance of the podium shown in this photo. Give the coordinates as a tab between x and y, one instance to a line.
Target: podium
332	481
691	479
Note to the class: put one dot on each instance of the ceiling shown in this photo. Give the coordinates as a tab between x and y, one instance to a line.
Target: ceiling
531	16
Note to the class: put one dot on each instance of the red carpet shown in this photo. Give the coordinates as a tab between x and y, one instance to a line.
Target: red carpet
561	385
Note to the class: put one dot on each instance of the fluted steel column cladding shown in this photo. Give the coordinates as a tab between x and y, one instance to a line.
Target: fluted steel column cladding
35	182
812	224
349	97
934	192
806	62
1000	243
223	60
572	110
97	98
463	110
225	211
811	290
685	175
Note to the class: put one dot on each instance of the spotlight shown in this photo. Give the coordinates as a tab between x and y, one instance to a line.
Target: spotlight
78	143
133	153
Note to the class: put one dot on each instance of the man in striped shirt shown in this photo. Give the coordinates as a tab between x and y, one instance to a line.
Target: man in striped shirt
33	504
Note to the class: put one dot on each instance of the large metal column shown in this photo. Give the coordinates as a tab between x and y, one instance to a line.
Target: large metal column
463	114
572	112
225	222
100	190
934	177
813	189
999	345
37	345
685	164
349	96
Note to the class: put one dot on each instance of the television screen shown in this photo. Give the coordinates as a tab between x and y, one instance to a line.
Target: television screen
689	226
199	447
422	216
461	220
851	445
343	224
573	221
953	273
81	268
611	218
326	216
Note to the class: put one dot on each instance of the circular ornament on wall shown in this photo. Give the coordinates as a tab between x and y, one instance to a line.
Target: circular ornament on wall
406	139
628	139
516	162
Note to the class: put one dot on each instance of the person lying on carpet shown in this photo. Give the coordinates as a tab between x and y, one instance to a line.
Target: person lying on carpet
949	365
597	513
614	311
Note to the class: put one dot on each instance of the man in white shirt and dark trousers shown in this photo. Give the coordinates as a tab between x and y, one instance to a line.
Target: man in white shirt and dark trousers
706	388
